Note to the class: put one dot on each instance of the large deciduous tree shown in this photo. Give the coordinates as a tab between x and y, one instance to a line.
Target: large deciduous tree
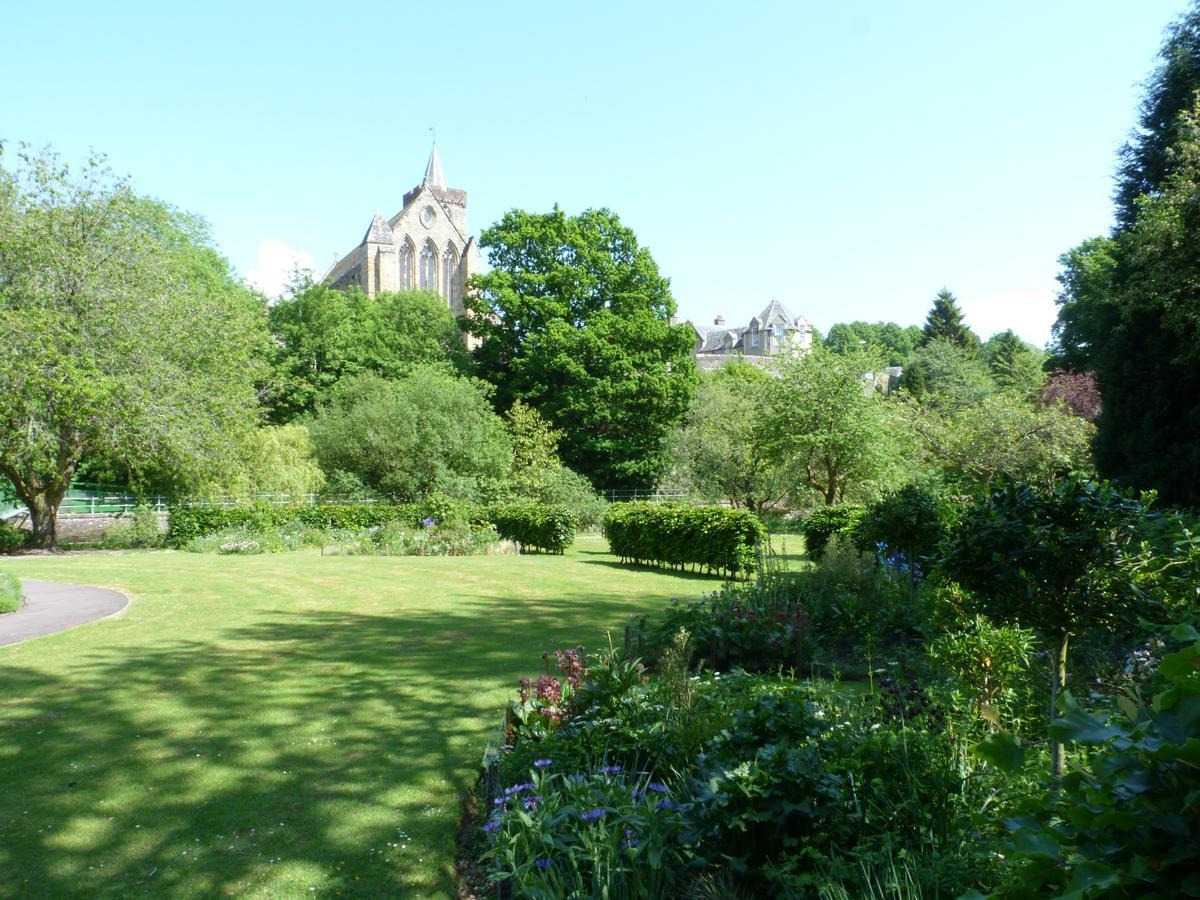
825	424
720	450
323	335
895	342
427	432
123	334
575	320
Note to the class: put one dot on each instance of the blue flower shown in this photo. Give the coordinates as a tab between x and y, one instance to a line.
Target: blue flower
428	522
543	864
667	804
542	763
531	803
592	815
610	770
656	787
492	825
630	841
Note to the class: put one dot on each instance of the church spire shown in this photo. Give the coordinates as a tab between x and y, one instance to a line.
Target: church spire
434	176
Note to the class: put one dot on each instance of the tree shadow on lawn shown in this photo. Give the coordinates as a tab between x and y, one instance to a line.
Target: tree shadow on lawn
640	567
314	753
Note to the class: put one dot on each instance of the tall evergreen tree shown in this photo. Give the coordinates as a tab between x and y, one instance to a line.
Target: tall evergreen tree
945	320
1170	92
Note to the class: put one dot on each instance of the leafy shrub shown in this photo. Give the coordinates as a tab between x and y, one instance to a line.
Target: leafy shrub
1125	826
188	522
139	530
728	541
805	782
988	666
600	834
11	537
10	592
757	627
825	522
534	526
559	486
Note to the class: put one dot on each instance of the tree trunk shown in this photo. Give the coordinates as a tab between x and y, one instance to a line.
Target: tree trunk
43	521
1058	684
912	577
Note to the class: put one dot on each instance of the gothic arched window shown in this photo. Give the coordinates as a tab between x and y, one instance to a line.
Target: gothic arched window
449	272
406	265
428	267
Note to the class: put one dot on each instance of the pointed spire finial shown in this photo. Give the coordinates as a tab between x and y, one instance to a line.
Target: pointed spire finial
434	176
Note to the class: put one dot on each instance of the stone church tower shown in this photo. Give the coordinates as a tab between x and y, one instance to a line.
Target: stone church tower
423	247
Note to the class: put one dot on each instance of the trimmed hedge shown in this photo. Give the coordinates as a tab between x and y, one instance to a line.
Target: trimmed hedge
188	522
722	540
825	522
549	528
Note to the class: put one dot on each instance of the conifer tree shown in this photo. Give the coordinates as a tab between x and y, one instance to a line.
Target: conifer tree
945	320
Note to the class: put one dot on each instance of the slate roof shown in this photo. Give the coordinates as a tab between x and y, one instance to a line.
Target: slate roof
713	337
379	232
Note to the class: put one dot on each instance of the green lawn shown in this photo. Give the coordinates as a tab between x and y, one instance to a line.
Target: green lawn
287	725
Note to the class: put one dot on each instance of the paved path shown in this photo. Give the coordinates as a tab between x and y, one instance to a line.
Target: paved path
51	607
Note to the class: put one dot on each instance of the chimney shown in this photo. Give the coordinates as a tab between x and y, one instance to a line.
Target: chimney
719	320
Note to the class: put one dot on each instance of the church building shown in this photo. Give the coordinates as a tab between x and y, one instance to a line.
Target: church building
423	247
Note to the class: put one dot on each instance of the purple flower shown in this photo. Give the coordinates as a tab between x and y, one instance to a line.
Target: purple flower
610	770
630	840
429	522
542	763
543	864
656	787
531	803
592	815
492	825
667	804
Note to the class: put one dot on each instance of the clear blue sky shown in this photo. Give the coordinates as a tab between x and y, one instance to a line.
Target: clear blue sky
848	158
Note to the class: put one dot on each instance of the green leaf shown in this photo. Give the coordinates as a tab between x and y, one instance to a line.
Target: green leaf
1078	725
1003	750
1089	879
1185	632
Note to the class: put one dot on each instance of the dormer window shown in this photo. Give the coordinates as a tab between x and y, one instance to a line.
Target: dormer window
754	338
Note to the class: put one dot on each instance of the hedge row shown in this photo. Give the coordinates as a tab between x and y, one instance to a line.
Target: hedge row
823	523
188	522
534	526
548	528
722	540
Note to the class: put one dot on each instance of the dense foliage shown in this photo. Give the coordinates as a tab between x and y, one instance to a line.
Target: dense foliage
894	343
838	438
127	338
721	451
535	526
428	432
575	320
188	522
727	541
1128	310
1126	825
822	524
323	335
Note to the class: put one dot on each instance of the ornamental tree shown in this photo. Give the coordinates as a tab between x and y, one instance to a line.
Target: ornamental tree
1059	561
123	335
721	451
827	428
